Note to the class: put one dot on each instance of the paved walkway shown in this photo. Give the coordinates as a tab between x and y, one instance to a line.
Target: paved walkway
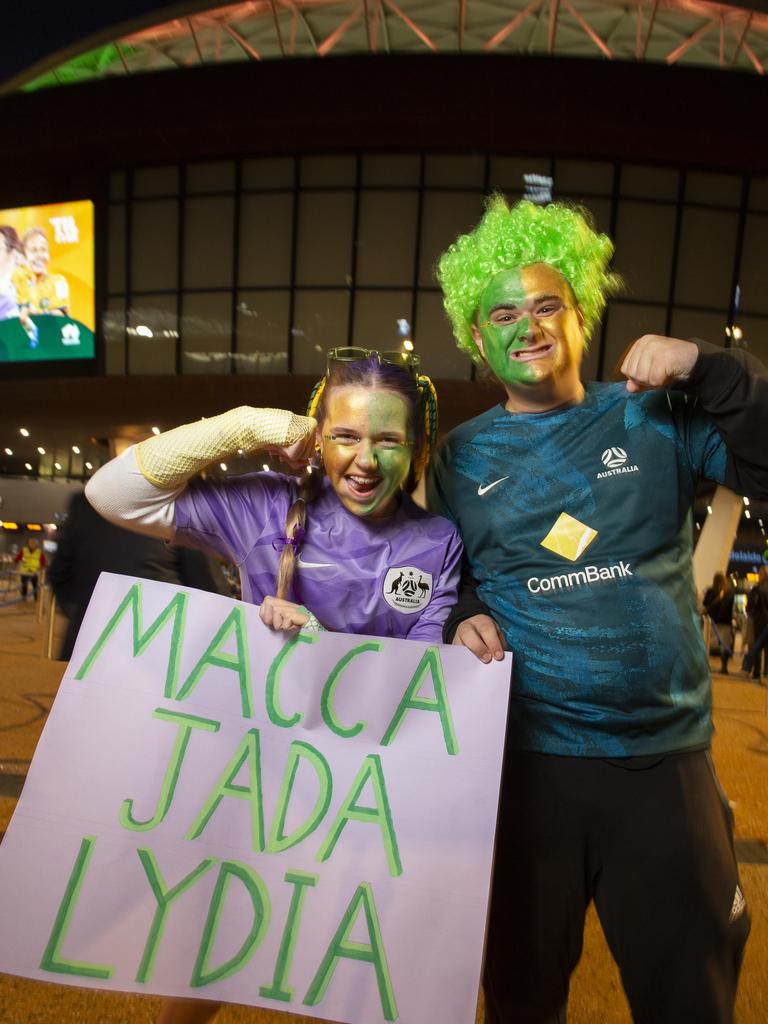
28	684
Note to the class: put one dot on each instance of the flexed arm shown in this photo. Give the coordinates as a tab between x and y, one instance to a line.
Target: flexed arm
138	489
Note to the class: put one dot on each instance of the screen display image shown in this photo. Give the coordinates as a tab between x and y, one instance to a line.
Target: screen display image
47	308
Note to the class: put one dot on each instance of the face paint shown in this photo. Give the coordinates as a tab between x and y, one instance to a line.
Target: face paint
362	442
530	329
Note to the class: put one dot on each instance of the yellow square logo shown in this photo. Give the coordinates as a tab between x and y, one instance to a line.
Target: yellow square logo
568	537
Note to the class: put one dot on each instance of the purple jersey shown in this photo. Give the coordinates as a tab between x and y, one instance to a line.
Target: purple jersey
385	577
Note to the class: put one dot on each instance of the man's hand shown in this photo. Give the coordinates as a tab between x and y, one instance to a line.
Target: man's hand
281	615
656	362
482	636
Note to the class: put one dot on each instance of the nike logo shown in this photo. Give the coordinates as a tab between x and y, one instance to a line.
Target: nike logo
314	565
484	488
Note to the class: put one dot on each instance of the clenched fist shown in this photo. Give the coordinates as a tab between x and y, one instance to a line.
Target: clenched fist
657	362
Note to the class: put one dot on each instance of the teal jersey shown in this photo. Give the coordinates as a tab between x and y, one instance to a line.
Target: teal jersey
578	530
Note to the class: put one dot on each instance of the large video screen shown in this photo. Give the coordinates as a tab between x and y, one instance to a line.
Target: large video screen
47	308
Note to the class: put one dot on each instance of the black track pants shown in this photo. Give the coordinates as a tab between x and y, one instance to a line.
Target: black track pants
651	841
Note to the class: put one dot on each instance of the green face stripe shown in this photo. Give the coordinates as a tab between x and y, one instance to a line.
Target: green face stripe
278	989
52	959
380	815
186	724
431	663
248	752
372	953
176	610
164	898
326	699
278	841
239	662
272	689
262	910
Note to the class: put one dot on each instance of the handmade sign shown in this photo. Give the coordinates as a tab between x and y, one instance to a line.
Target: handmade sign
215	810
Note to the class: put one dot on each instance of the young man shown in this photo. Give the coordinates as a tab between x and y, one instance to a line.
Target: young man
574	504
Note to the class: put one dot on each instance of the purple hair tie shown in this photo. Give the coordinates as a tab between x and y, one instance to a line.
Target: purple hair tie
295	541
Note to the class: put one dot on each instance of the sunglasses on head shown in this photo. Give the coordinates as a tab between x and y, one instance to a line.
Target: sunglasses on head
409	361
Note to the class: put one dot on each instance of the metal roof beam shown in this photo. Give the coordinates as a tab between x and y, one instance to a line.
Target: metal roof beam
411	25
685	46
330	41
596	39
509	28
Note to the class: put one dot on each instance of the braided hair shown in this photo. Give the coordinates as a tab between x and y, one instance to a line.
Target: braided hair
421	400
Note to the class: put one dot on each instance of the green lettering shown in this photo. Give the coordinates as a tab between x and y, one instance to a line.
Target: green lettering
201	975
239	663
430	662
247	751
371	953
380	815
326	699
278	989
278	841
276	716
186	724
164	897
52	959
175	609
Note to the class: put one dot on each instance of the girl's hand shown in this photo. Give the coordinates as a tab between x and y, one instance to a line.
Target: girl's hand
281	615
298	454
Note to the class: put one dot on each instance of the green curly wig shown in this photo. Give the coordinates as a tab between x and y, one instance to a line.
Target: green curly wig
559	235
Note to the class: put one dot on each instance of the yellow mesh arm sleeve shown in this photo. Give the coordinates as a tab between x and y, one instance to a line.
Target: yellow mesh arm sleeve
170	459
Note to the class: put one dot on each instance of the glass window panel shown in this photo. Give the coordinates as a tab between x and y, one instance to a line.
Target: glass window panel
154	244
649	182
704	187
206	333
445	171
272	172
153	349
262	332
644	234
265	239
391	170
116	249
695	323
208	242
588	176
213	177
328	170
507	172
376	317
625	323
705	259
324	241
386	238
156	181
320	321
113	331
117	184
433	340
758	194
753	273
445	216
755	336
599	208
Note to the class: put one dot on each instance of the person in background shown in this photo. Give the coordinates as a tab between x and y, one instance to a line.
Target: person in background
31	560
88	545
38	291
718	606
10	254
757	609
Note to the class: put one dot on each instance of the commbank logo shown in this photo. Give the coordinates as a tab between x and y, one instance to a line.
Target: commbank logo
569	538
613	457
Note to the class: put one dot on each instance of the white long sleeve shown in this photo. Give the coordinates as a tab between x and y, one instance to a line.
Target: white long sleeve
122	494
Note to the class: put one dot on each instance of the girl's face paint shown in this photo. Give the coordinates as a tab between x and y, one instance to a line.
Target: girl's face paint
363	440
530	328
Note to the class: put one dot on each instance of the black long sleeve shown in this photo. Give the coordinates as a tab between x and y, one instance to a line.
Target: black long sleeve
732	387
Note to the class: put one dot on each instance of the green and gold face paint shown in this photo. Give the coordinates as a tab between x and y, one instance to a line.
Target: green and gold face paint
529	328
366	448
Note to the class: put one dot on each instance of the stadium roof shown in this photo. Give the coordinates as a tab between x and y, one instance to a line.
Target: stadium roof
693	32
